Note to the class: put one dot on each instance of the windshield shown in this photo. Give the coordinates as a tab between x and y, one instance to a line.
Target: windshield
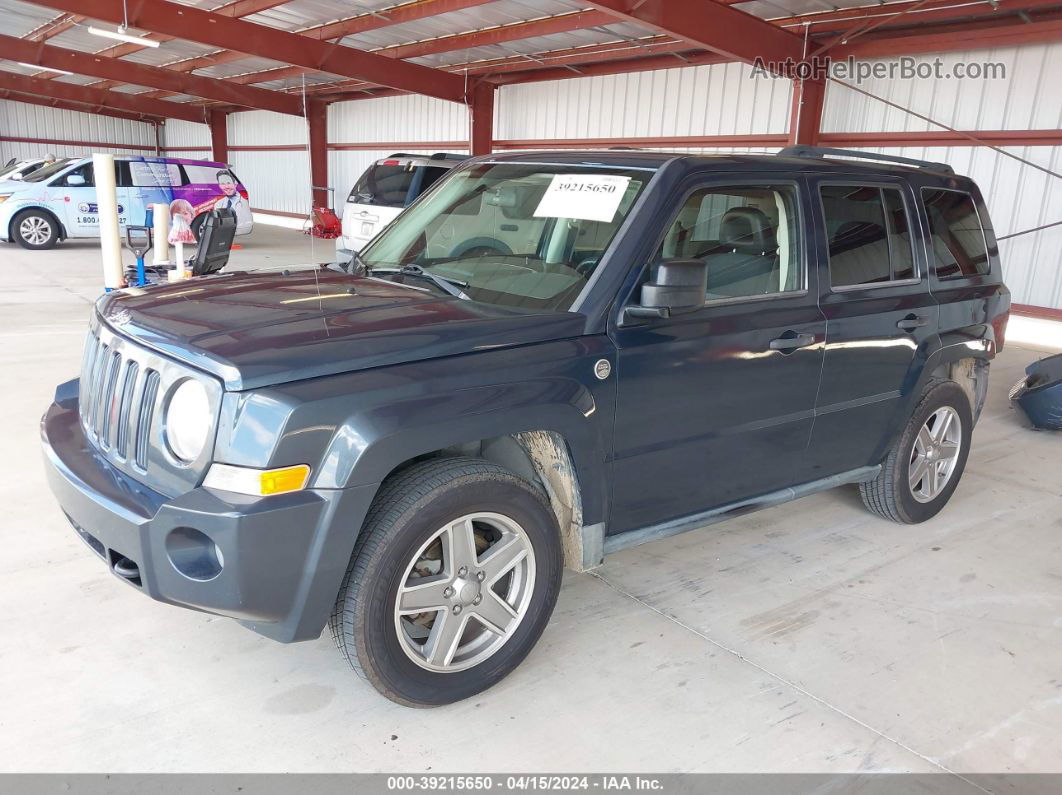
513	234
42	174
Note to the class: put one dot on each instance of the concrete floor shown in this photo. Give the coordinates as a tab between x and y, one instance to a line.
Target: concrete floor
809	637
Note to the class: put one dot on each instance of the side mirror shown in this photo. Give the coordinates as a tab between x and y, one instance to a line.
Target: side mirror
680	287
74	180
16	175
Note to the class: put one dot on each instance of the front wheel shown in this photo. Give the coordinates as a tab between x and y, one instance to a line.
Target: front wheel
35	229
451	583
923	469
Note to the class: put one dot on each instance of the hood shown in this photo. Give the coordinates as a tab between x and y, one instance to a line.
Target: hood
258	329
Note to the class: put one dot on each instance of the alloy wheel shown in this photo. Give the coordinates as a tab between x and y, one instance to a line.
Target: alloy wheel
935	454
465	592
35	230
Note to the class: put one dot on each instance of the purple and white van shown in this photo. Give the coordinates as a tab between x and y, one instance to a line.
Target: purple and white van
59	201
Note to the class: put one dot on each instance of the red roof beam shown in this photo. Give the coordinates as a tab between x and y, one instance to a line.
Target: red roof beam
713	26
98	110
952	38
217	30
94	96
84	63
407	12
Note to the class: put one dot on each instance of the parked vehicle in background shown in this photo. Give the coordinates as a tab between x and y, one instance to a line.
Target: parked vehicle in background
409	452
386	188
23	168
58	201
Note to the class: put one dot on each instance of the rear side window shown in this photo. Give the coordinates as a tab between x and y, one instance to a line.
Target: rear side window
394	185
958	239
868	235
151	174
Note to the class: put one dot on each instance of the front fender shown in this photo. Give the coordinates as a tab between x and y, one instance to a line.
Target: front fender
355	429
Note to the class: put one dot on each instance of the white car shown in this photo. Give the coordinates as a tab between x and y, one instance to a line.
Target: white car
386	188
58	201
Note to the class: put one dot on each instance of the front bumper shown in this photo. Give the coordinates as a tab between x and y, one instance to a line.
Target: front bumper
278	561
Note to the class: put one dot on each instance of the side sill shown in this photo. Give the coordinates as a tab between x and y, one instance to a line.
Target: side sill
674	527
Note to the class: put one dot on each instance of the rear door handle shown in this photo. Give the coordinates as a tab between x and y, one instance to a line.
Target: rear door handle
911	322
791	343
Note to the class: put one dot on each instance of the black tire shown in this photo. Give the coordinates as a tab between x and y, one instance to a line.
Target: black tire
39	217
412	506
890	494
197	225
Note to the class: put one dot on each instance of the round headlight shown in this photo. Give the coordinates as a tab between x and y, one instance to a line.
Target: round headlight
188	420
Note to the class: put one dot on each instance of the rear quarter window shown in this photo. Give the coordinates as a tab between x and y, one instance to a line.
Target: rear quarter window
957	236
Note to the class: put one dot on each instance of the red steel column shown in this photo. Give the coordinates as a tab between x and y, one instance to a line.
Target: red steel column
219	136
317	116
805	116
482	104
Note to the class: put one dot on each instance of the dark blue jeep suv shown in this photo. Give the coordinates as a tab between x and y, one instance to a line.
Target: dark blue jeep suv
548	357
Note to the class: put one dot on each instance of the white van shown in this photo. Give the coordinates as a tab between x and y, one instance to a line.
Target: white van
58	201
386	188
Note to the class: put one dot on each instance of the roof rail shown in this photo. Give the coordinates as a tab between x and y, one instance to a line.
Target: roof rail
823	151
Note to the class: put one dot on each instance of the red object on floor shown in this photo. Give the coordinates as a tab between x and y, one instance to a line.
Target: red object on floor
326	224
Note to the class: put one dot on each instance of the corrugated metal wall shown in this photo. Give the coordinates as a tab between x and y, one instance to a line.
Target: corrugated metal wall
724	100
1019	197
400	121
186	139
690	101
720	99
276	179
22	120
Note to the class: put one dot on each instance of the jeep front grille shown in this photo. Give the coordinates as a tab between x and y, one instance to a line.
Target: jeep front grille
124	388
117	400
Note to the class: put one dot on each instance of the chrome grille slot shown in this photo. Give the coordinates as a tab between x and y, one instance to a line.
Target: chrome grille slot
144	417
124	386
105	410
121	436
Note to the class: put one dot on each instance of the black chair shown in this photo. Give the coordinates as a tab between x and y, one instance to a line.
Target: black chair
215	242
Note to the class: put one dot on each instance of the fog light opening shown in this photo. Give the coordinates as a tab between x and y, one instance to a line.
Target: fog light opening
194	554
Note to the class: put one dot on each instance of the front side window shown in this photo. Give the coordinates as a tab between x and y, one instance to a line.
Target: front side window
956	234
84	172
868	235
512	234
47	172
748	236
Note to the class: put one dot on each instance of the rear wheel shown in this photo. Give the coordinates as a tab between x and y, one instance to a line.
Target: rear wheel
35	229
923	469
452	581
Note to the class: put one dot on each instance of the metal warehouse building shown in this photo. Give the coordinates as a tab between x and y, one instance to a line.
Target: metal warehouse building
256	452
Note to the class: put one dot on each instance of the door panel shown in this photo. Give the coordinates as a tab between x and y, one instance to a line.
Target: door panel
878	334
708	411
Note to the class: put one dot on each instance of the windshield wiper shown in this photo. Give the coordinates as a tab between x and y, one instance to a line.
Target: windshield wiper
450	286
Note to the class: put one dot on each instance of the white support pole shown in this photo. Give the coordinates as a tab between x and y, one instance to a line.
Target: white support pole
107	205
160	214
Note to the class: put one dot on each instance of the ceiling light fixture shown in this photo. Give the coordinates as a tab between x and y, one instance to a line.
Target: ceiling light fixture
43	68
121	35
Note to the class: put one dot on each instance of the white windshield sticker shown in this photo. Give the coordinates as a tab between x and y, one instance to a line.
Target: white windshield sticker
586	197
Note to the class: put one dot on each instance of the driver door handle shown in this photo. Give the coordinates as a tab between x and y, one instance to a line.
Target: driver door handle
790	343
911	322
